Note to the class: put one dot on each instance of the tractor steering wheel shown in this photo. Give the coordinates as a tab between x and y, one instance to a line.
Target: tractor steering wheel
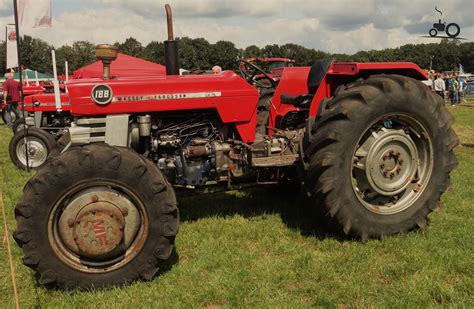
249	70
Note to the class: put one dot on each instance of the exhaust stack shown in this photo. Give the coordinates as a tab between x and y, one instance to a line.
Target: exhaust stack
106	53
171	46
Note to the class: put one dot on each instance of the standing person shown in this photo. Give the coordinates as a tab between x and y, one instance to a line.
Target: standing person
439	85
454	90
11	97
429	81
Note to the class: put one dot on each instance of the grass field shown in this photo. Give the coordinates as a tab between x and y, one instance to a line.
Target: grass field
258	249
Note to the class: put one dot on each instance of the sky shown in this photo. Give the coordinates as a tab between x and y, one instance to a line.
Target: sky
336	26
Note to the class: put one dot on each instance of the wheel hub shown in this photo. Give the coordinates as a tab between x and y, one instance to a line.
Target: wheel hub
98	224
98	230
37	152
391	162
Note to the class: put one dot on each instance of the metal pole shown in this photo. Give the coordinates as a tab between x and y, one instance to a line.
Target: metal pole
57	97
18	40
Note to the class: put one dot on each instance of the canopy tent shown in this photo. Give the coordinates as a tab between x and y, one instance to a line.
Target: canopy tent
124	65
30	75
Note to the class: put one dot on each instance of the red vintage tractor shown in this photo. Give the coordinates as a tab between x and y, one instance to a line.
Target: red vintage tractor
368	142
48	116
27	91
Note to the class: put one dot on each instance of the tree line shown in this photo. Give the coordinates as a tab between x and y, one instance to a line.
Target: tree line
198	53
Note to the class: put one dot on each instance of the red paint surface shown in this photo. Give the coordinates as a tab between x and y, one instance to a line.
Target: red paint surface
237	103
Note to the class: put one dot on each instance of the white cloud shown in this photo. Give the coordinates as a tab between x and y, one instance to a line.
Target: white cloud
335	26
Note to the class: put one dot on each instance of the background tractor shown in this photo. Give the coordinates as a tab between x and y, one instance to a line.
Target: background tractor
367	142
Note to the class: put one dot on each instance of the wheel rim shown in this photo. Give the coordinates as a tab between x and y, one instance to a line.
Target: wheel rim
37	151
98	227
433	32
392	164
456	30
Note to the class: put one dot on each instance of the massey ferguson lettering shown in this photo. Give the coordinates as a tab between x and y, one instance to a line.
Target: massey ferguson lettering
167	96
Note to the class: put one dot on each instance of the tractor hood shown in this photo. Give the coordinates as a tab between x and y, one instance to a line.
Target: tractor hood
233	97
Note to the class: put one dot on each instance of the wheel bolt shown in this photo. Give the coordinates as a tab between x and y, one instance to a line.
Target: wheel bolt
400	161
95	198
70	222
125	212
385	158
382	166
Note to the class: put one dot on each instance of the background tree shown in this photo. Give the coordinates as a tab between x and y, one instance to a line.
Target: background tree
154	52
252	51
200	54
224	54
36	54
131	47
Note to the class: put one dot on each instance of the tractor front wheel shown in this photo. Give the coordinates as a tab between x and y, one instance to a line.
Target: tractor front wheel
380	156
39	143
96	216
13	115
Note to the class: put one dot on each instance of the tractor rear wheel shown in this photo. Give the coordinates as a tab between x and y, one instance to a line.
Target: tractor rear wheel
96	216
40	145
380	156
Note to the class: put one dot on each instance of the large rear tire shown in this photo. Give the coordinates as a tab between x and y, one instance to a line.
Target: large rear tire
40	146
380	156
96	216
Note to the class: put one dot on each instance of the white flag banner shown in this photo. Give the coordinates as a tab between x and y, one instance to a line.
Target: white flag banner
12	56
34	13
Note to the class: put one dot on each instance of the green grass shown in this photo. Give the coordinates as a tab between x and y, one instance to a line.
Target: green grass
255	249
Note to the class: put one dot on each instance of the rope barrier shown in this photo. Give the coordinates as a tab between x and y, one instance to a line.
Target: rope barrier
6	239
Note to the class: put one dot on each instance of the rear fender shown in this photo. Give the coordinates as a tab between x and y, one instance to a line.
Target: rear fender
347	72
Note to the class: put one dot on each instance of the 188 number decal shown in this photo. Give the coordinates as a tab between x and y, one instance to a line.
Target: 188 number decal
102	94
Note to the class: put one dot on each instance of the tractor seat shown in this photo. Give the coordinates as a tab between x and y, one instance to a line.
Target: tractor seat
315	77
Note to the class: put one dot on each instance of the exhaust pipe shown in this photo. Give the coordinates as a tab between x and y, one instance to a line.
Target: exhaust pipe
171	46
106	53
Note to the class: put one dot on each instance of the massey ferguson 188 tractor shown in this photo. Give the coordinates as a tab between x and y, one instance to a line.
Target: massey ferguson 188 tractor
368	142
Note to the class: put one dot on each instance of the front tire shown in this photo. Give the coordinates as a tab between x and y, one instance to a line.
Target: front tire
96	216
40	145
433	32
13	115
380	156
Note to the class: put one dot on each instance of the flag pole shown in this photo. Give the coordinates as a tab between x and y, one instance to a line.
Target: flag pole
18	40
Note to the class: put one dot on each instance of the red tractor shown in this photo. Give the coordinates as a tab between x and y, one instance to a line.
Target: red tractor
49	115
27	91
368	142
